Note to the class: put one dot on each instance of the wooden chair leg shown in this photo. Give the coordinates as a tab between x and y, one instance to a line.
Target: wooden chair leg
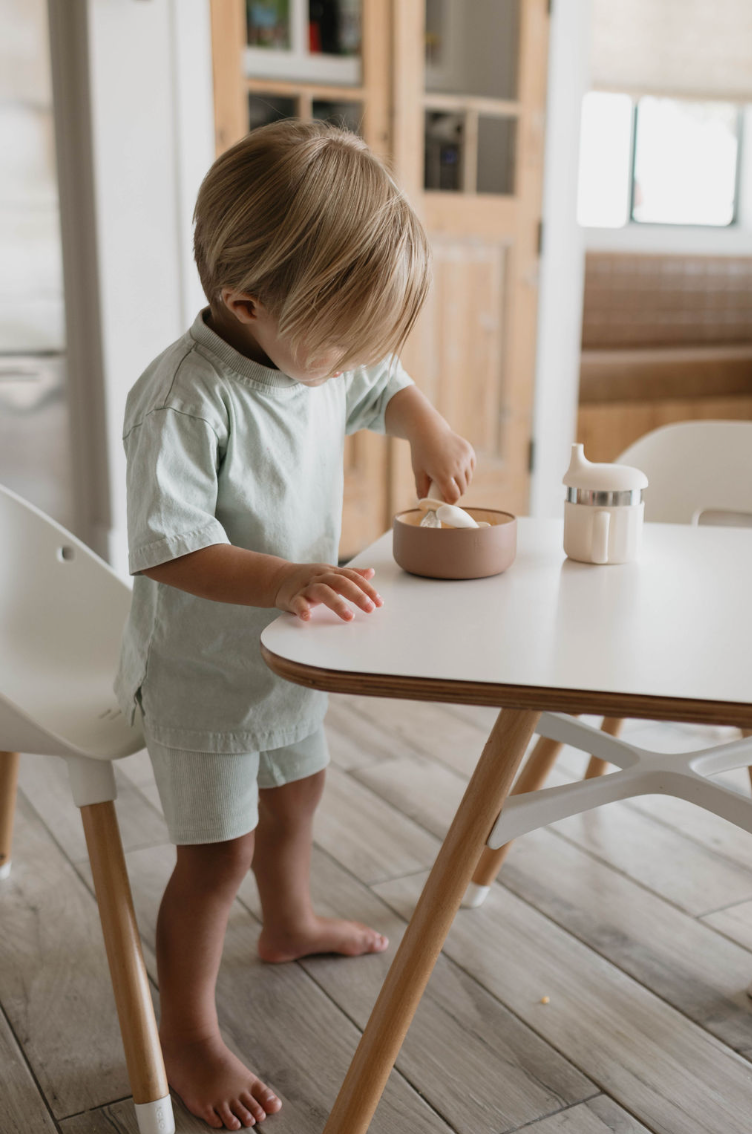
597	767
748	732
424	937
143	1053
8	787
532	777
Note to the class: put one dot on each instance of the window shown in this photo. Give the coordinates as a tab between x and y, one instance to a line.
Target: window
605	160
657	161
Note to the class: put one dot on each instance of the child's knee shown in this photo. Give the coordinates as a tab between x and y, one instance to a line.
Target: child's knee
215	864
294	801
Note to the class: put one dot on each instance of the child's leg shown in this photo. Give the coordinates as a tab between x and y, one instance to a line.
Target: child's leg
211	1081
282	865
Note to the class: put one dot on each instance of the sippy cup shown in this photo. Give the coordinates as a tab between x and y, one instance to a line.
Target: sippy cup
604	511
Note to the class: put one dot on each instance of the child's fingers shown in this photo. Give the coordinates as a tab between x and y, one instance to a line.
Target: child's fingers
449	490
357	578
422	482
352	590
300	606
323	593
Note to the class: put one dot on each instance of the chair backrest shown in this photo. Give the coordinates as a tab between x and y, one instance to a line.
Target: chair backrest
698	471
62	611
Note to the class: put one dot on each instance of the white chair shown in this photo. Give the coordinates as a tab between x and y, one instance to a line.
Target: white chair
62	611
697	471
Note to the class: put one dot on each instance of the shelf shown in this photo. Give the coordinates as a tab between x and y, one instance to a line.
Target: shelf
302	67
292	88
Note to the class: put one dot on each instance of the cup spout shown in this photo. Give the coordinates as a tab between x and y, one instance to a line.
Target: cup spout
578	461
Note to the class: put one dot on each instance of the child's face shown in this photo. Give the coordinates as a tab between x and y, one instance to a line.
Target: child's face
258	331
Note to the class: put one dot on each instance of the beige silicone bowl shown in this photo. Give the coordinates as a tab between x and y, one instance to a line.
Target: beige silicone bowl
455	553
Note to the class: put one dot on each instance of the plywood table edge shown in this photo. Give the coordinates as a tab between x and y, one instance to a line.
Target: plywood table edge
574	701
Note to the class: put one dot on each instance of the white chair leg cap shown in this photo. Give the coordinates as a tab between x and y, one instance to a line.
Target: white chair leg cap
155	1117
5	871
475	896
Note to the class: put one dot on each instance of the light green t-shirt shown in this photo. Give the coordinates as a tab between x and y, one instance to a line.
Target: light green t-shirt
223	450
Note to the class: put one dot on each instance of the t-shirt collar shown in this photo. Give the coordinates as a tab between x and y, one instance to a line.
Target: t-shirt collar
236	361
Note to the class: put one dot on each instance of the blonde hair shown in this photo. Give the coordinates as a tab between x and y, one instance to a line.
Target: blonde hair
303	217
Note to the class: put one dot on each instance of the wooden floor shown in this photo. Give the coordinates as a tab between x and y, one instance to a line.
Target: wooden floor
634	921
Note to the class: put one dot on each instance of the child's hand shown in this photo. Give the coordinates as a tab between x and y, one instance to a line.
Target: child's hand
307	584
442	456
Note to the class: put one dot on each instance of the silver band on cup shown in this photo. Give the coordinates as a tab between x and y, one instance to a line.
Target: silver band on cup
604	499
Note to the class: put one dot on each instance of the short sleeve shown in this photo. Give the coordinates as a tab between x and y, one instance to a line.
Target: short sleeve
173	459
369	391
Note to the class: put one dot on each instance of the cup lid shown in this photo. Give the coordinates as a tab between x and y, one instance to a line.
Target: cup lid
583	473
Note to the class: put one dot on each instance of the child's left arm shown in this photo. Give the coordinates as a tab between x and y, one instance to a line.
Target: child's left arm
438	453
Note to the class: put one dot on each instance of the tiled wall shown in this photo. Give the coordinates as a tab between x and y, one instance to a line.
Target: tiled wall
646	301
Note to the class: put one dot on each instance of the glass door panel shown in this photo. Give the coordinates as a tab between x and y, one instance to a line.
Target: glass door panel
311	41
444	150
348	115
266	108
472	47
496	155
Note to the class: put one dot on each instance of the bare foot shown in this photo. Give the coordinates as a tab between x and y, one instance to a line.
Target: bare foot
322	935
215	1085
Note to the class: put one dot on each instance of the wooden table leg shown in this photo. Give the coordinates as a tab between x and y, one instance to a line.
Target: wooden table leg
431	921
8	785
138	1027
597	767
532	777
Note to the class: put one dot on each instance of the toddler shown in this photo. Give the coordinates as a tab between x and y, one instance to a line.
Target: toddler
315	268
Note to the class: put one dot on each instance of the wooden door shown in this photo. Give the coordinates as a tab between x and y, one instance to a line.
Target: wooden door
469	101
405	90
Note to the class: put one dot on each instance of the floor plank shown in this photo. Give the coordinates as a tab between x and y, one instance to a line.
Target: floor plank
22	1105
668	1072
682	871
368	836
598	1116
422	789
734	922
137	768
427	728
355	741
682	960
54	981
474	1062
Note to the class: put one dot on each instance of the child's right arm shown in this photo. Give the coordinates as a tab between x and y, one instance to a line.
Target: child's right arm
224	573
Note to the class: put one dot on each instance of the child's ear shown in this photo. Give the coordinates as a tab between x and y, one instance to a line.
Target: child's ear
246	308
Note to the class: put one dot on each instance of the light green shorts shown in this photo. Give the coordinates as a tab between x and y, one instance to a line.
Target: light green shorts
209	797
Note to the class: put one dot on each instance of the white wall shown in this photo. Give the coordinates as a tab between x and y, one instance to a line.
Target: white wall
562	262
151	140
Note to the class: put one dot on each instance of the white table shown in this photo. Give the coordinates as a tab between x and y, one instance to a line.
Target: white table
669	637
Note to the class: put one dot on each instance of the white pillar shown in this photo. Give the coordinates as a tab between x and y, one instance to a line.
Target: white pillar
562	262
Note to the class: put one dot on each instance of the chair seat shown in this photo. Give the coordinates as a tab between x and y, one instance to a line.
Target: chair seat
68	715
